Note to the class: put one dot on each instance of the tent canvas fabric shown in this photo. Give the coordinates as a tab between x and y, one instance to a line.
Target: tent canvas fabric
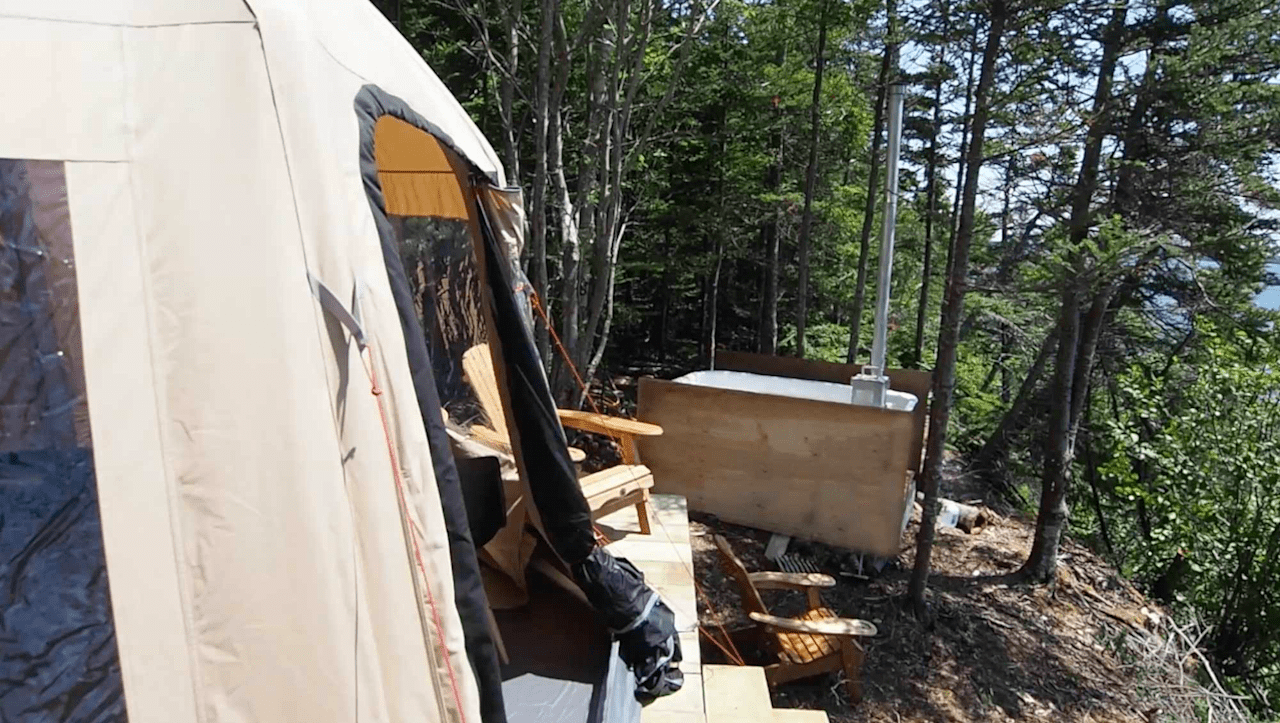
272	534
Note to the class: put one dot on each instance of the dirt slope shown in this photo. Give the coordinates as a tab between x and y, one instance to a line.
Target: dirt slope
1076	650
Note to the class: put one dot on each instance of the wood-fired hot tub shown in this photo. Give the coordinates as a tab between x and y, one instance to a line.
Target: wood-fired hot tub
796	457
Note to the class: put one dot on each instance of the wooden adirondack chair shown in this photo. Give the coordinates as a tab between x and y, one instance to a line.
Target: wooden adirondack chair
816	642
606	491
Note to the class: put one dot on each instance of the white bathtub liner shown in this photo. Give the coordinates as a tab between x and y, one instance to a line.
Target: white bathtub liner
788	387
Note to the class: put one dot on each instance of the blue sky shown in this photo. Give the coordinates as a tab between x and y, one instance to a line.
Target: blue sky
1270	299
915	59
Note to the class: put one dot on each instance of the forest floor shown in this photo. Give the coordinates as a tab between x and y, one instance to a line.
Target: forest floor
1087	647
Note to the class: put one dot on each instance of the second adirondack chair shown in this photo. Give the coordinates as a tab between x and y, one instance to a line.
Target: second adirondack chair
814	643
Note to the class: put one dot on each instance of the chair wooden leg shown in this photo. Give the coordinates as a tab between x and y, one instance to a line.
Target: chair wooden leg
851	656
642	514
630	452
815	600
772	673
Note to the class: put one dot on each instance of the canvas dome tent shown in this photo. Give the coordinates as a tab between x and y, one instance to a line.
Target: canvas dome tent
226	491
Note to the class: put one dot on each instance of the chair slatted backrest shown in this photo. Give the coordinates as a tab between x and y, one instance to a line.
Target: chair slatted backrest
477	363
751	599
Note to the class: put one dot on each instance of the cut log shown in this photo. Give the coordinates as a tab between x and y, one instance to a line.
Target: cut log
972	519
966	518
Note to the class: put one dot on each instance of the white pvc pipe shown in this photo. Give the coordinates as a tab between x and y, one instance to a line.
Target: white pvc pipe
880	341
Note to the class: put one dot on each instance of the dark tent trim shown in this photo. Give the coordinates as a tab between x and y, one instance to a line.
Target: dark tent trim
468	589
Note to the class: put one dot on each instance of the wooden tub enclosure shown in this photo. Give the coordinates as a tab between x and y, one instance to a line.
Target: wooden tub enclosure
826	471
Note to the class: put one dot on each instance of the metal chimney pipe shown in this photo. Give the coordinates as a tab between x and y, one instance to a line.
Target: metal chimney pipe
880	341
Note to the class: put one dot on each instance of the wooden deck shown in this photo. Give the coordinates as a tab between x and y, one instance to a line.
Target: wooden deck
666	559
711	694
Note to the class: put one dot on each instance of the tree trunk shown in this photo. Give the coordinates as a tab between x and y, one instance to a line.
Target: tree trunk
1092	469
952	311
769	297
710	304
810	183
1090	334
963	156
591	169
931	212
610	226
1052	516
713	301
887	63
567	215
1075	348
507	90
538	201
769	234
988	463
1006	351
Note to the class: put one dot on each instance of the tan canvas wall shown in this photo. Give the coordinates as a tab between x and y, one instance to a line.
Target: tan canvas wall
131	13
144	561
286	500
321	54
271	556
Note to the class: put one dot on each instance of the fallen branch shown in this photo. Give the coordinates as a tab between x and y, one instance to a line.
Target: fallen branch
1222	693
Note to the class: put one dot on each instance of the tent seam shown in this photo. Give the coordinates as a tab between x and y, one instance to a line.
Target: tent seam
318	319
412	533
175	526
341	64
130	26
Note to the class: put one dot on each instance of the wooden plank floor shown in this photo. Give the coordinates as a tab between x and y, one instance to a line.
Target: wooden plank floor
716	694
666	559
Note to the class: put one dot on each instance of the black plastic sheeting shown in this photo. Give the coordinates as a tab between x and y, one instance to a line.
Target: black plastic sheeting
552	477
484	496
468	588
58	659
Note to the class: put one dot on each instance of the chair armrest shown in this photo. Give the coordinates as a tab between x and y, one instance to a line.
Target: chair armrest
839	627
790	580
604	424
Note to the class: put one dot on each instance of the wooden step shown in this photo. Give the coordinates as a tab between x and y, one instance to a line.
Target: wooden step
736	694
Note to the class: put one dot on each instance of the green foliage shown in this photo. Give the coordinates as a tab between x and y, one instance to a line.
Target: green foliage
1198	446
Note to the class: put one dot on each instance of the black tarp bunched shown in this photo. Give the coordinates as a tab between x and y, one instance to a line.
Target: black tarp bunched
643	624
